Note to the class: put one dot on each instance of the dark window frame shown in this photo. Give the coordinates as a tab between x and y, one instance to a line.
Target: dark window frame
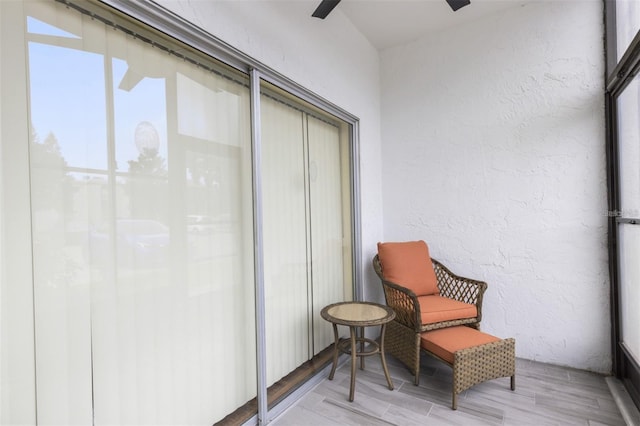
618	75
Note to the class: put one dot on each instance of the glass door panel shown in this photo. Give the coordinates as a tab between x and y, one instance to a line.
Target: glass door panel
629	150
628	108
328	236
68	137
143	247
286	275
139	179
629	245
307	227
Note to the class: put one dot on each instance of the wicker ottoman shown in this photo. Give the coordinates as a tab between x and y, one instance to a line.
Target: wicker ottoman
474	356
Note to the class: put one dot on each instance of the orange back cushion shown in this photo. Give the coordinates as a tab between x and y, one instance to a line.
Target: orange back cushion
408	264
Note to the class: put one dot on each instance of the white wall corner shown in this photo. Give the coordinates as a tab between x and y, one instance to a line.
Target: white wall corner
494	153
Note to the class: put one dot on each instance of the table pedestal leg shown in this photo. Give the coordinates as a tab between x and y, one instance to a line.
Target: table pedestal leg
384	361
353	363
362	348
336	351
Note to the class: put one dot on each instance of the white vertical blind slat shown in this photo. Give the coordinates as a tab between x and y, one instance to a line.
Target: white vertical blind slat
326	224
284	238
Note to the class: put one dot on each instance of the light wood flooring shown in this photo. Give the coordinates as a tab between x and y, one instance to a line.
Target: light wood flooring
544	395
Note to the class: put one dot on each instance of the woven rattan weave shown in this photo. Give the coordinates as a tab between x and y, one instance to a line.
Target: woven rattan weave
357	315
403	333
478	364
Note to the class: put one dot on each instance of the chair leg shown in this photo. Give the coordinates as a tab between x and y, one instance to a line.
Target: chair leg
513	382
416	362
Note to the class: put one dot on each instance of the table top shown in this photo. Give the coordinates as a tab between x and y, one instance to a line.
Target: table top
360	314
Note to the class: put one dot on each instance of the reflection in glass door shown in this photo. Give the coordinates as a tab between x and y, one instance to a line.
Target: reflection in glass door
143	250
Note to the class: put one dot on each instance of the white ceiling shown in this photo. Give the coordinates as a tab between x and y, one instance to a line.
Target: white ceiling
387	23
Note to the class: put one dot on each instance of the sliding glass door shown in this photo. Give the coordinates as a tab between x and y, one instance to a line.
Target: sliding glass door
628	219
307	227
129	242
142	228
623	120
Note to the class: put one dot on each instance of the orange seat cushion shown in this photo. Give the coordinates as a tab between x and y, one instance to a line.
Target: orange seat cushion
408	264
444	342
436	308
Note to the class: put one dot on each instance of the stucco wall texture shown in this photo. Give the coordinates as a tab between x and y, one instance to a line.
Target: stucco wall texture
493	152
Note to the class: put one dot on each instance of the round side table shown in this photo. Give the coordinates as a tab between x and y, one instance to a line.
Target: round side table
358	315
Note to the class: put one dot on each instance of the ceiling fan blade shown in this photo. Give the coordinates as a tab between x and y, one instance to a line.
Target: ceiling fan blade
457	4
324	8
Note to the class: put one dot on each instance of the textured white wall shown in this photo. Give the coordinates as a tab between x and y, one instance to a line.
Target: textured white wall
329	57
493	147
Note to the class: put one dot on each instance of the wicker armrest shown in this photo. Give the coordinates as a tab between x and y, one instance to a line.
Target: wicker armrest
405	304
459	288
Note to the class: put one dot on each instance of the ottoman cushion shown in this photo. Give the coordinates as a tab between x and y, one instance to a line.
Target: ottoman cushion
445	341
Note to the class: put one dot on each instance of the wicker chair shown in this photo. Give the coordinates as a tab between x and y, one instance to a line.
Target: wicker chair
403	334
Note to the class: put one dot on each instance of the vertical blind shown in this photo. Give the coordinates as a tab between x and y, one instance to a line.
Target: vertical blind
304	239
327	226
139	202
284	238
141	180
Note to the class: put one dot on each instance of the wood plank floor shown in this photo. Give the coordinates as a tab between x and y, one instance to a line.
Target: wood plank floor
544	395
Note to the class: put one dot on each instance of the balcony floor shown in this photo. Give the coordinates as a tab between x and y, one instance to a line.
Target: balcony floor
544	395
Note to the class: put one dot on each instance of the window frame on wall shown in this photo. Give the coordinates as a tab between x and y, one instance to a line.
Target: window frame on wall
622	67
